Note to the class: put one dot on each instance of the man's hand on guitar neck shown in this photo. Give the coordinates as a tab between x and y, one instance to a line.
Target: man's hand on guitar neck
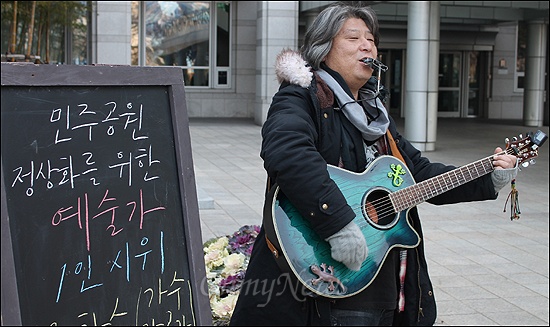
506	169
503	161
349	246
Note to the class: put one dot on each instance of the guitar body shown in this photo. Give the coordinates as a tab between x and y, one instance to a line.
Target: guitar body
309	257
381	197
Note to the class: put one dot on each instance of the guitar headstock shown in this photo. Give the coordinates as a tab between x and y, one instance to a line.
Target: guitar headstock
526	148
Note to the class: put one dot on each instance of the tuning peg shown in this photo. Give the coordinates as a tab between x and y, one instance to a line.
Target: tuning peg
514	139
532	161
520	136
507	140
525	164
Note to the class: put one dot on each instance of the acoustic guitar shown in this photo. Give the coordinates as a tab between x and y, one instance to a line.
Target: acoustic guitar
381	197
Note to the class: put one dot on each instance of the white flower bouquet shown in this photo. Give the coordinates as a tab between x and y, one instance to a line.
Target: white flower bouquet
226	260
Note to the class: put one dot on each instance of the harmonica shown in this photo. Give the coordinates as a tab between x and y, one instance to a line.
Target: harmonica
375	64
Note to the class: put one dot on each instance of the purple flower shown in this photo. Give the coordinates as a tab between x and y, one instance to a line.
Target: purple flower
243	240
231	283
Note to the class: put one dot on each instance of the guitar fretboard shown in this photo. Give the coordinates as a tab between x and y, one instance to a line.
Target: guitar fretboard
415	194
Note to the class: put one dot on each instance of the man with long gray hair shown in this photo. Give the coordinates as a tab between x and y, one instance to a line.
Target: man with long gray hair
332	249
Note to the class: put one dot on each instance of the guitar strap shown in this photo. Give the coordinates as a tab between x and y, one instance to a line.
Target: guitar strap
403	253
270	234
268	225
393	146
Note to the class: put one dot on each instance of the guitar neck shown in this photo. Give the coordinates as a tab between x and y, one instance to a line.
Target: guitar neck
415	194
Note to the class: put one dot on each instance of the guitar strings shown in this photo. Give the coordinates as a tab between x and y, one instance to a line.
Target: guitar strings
383	207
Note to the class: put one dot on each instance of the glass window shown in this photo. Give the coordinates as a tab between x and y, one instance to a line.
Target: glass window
449	70
192	35
52	32
521	51
447	101
79	39
449	84
222	35
474	84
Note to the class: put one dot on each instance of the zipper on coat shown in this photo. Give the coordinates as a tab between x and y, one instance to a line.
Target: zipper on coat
420	310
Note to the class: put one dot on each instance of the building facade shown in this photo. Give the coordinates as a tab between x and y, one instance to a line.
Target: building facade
462	59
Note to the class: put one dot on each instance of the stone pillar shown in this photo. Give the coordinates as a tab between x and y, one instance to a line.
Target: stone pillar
112	33
422	68
277	28
535	67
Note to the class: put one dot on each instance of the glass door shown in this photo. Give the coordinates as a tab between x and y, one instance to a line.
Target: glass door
449	99
392	80
477	68
473	101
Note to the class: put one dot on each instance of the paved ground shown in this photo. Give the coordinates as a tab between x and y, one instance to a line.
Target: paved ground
486	269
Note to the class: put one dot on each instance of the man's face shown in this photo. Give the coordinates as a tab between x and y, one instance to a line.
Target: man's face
352	43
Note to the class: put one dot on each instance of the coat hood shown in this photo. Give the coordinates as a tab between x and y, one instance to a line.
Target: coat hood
291	67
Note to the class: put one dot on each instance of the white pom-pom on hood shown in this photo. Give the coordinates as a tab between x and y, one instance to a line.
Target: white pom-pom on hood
291	67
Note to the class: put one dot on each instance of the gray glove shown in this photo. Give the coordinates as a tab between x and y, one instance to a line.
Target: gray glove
349	246
501	177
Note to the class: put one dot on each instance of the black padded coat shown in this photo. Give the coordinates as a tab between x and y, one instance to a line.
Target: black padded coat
302	133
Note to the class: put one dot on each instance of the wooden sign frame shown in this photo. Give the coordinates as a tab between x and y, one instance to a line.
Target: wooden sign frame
67	76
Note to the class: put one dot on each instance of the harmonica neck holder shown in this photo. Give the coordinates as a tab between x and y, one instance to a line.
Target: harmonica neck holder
376	65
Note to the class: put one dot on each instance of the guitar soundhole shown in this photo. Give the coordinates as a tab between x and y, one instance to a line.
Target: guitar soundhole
378	209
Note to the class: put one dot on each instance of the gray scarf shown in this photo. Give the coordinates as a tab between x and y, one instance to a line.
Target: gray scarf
355	113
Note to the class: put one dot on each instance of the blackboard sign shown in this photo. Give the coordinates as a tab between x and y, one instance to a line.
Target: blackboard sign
100	219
